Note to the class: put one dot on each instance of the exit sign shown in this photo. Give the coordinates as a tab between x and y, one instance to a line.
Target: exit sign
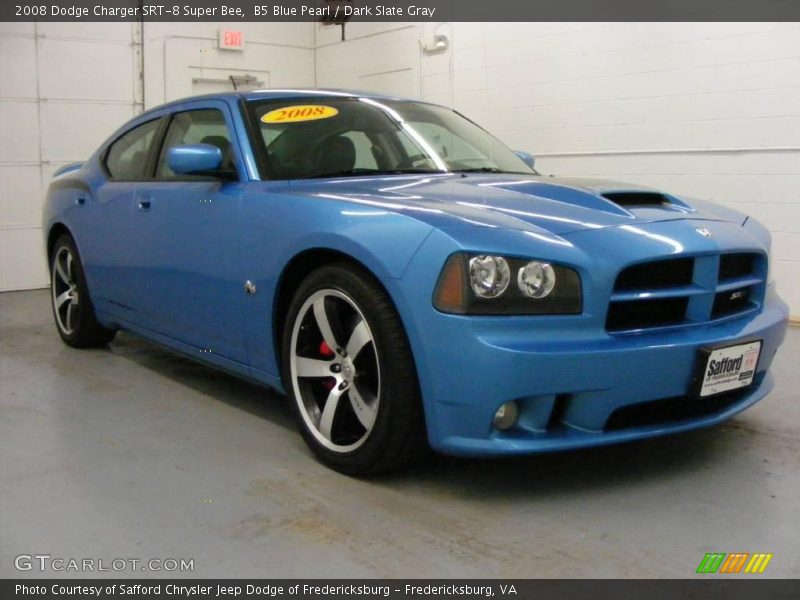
231	40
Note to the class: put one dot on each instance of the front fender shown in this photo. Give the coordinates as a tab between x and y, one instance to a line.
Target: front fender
278	227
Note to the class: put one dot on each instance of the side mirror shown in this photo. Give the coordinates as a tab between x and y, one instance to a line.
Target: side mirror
194	159
526	157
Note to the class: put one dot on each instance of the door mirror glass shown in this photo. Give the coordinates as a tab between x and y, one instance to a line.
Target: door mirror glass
194	159
526	157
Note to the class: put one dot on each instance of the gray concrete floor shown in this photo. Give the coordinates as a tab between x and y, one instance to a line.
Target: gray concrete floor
132	451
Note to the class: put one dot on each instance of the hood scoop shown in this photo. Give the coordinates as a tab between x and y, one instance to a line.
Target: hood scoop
595	197
644	199
637	199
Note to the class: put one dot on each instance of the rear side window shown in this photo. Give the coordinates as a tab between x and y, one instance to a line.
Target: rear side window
127	157
205	126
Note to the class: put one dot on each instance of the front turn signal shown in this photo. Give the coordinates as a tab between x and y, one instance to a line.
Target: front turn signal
449	296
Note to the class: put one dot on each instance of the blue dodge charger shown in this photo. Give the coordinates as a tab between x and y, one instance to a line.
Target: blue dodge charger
408	281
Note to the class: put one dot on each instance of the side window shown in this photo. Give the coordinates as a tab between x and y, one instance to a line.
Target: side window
206	126
127	156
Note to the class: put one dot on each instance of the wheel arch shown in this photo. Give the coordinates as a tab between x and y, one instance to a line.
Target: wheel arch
297	269
56	231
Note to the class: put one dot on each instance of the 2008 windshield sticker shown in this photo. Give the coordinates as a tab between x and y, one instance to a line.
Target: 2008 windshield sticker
296	114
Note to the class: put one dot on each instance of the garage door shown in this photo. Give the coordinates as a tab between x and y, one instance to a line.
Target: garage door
63	88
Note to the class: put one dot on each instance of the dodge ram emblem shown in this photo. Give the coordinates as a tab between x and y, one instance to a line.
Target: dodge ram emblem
704	232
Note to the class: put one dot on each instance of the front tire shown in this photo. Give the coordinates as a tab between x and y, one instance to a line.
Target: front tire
349	373
72	307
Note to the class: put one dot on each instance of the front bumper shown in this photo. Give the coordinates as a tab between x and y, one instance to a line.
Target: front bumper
576	385
579	393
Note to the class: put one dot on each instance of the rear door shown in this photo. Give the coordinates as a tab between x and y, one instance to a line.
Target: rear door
186	230
109	252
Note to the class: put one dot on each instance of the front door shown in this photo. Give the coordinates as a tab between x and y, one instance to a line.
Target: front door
186	231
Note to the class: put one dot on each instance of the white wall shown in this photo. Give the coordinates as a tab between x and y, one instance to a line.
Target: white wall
386	58
707	110
63	87
377	56
178	54
710	110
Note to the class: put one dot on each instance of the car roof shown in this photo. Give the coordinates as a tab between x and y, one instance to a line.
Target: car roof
314	93
277	94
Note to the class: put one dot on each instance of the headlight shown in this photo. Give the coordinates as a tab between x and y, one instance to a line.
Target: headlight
489	276
536	279
480	284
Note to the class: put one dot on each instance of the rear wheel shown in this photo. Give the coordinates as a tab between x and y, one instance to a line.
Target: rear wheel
349	372
72	306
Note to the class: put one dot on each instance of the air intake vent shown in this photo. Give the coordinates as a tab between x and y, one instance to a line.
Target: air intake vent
633	199
672	410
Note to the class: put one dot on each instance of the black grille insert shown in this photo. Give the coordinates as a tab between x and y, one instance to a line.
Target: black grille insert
733	266
730	302
638	314
656	275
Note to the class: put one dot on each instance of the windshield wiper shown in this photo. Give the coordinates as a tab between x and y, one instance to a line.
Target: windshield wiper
488	170
493	170
361	172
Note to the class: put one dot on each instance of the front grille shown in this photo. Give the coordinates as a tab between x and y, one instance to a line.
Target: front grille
672	410
685	290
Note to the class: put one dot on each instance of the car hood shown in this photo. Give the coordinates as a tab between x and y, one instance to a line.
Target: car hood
559	205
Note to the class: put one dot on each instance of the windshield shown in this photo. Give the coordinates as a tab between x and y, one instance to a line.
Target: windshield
341	137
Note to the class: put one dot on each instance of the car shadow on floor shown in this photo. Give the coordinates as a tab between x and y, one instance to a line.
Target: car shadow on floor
233	390
567	472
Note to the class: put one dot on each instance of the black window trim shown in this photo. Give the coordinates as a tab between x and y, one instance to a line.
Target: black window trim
154	151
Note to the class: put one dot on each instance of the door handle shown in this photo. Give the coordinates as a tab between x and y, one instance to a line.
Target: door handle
144	205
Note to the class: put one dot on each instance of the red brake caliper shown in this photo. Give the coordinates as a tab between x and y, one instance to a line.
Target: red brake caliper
326	352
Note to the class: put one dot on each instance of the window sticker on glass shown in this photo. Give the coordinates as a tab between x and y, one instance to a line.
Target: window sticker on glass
295	114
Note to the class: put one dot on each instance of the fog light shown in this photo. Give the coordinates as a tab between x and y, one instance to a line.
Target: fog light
506	416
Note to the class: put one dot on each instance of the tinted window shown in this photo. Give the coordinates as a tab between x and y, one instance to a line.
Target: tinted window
205	126
364	149
453	148
342	137
127	157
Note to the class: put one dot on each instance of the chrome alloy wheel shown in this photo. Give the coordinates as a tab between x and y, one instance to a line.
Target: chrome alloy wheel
335	371
66	299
